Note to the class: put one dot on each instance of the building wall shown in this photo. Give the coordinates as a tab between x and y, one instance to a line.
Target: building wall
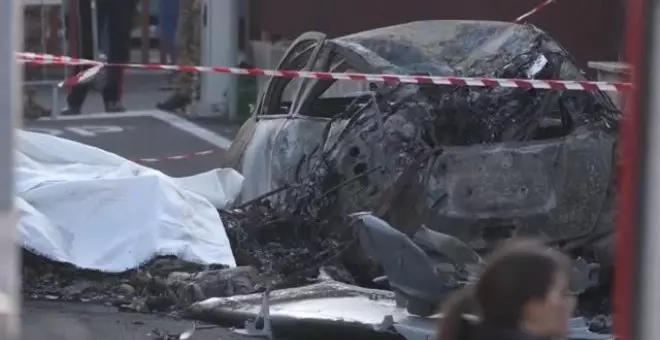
590	30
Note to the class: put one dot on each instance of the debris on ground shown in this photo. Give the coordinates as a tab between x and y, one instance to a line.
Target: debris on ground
289	247
159	335
162	285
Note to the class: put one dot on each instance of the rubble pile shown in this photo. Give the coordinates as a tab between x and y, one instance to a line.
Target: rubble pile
163	284
275	245
287	243
284	239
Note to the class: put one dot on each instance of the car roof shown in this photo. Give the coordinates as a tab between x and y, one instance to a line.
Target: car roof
448	47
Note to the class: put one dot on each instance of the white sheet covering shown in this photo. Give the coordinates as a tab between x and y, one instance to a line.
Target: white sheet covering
96	210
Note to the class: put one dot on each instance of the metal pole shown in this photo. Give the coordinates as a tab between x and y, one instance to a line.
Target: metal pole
637	294
65	32
219	48
42	36
10	90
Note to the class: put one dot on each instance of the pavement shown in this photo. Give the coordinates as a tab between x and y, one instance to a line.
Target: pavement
77	321
153	138
142	90
176	145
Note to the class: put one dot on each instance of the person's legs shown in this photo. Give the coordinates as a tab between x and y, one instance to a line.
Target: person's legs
103	45
31	108
168	20
120	22
78	93
104	39
188	44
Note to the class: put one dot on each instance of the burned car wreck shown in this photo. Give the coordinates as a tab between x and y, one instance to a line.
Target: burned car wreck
452	169
381	198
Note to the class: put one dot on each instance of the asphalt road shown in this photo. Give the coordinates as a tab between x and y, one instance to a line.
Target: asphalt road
71	321
159	140
143	132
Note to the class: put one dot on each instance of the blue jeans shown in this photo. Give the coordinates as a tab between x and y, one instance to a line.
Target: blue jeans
104	39
168	18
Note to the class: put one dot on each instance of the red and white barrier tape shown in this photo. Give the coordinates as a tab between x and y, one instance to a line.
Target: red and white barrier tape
388	78
174	158
533	11
49	59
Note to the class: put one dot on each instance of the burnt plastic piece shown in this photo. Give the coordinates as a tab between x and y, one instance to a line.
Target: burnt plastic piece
410	271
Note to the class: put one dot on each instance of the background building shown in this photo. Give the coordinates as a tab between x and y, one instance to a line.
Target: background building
590	30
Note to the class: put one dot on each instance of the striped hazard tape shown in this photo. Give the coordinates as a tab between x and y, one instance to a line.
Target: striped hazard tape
45	59
533	10
48	59
175	158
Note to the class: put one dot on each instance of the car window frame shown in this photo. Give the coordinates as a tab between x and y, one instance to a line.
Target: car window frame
316	88
295	58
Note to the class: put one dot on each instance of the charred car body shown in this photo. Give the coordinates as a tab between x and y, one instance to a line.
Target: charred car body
464	166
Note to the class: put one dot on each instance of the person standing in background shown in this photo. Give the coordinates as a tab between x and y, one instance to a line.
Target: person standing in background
104	40
188	50
118	15
168	17
32	43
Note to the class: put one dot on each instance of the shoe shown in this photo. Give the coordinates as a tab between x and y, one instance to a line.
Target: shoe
70	111
176	102
114	107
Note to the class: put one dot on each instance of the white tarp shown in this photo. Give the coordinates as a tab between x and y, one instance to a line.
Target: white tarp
96	210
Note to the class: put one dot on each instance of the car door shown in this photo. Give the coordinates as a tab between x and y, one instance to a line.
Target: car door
268	145
558	190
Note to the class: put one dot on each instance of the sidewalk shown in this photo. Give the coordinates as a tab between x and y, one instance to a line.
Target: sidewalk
141	92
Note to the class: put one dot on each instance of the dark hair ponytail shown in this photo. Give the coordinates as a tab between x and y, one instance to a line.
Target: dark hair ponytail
455	323
519	272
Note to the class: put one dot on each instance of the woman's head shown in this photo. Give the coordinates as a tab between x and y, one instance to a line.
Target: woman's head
524	285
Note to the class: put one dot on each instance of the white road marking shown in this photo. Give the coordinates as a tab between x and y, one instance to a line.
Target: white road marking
171	119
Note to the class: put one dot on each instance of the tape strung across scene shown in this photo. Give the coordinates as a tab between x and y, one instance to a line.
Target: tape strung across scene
533	11
96	66
175	158
47	59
